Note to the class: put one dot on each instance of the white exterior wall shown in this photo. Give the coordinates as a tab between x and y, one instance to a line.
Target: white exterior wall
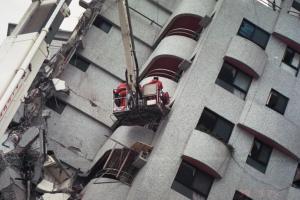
195	90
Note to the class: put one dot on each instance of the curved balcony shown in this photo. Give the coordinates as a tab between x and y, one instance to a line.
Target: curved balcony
127	136
207	153
109	189
247	56
185	20
271	127
168	55
287	29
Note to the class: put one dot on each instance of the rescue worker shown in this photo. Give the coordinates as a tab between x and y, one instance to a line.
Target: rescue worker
164	96
156	81
120	95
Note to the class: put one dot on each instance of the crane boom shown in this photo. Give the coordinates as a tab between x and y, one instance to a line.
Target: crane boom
128	44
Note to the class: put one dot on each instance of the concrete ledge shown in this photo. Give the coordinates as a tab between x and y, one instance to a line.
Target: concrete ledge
247	56
271	127
287	29
213	156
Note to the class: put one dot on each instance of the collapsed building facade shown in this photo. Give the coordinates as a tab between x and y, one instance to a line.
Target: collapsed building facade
232	131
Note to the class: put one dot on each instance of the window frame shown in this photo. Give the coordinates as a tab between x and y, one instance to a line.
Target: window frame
195	173
238	71
218	117
253	33
264	165
295	2
289	64
281	96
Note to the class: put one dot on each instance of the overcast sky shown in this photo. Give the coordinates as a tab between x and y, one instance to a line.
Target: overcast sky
11	11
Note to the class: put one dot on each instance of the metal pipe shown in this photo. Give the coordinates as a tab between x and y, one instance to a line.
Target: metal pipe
20	74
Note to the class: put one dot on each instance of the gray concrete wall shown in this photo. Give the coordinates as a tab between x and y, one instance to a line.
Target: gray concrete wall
75	137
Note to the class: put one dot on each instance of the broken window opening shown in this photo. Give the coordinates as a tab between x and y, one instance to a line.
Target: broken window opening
56	104
103	24
79	62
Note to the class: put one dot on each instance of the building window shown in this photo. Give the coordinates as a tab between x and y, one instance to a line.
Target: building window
103	24
240	196
296	5
253	33
215	125
277	101
10	28
291	61
79	62
56	104
191	182
234	80
259	156
296	181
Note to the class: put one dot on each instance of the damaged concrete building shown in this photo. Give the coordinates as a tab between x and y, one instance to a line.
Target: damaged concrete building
231	132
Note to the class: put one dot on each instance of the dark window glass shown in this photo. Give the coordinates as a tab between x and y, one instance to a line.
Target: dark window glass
192	182
240	196
79	62
215	125
103	24
253	33
277	101
56	104
259	155
292	60
246	29
296	5
234	80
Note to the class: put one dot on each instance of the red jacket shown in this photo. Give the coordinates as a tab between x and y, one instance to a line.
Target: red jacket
121	89
158	82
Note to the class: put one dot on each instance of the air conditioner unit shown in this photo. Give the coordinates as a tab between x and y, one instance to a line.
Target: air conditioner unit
140	161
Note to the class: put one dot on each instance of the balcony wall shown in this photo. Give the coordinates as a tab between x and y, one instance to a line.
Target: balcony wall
293	194
287	29
105	189
167	56
271	127
187	16
247	56
213	156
